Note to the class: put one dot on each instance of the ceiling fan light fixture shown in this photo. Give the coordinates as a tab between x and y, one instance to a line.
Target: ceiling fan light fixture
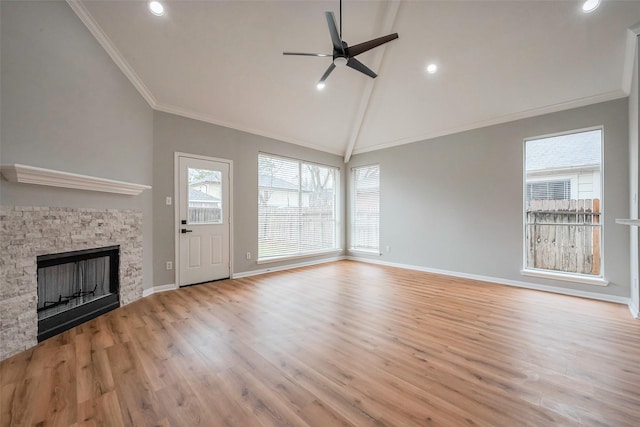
590	5
156	8
340	61
320	85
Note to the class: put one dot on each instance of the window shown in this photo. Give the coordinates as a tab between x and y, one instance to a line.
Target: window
365	218
549	190
297	207
563	183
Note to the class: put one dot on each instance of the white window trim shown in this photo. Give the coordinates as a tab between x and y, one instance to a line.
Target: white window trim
559	275
567	277
298	256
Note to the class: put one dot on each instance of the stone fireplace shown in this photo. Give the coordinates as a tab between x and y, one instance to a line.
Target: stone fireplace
77	286
29	233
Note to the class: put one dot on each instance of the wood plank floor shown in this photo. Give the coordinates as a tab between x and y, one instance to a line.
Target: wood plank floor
339	344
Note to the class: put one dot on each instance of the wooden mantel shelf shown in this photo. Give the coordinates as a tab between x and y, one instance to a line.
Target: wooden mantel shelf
40	176
631	222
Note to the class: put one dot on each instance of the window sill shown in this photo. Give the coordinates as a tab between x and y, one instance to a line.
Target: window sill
299	256
577	278
365	252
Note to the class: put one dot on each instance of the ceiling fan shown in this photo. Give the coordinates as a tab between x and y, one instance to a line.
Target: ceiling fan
343	54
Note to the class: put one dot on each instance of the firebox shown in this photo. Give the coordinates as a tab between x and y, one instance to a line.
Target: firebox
74	287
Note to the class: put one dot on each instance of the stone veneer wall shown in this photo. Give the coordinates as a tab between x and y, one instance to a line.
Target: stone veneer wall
27	232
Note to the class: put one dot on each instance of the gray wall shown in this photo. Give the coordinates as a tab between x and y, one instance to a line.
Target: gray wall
455	202
451	203
178	134
634	162
66	106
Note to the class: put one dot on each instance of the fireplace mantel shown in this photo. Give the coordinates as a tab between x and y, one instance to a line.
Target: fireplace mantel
40	176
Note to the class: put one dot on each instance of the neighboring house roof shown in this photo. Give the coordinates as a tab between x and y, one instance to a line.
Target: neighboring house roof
268	181
573	150
199	196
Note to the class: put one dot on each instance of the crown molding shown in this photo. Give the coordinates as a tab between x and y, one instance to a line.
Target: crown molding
208	119
80	10
630	51
40	176
582	102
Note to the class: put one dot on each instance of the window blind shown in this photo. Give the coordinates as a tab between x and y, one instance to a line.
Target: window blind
549	190
365	227
297	207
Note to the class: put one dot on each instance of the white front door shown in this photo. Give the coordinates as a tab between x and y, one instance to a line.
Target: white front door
204	216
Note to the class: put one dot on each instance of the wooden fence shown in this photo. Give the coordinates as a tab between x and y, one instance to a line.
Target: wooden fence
202	215
564	235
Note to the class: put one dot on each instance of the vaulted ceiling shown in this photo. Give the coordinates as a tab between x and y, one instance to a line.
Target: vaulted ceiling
222	62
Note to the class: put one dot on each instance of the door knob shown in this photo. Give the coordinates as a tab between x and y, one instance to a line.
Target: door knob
185	231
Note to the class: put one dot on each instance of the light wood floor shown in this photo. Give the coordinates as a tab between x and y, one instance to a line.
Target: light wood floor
339	344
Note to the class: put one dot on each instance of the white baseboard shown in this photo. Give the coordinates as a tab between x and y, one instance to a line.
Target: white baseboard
170	287
285	267
634	309
159	288
535	286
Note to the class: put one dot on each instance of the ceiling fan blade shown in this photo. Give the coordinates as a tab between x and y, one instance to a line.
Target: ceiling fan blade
363	47
359	66
306	54
333	31
326	73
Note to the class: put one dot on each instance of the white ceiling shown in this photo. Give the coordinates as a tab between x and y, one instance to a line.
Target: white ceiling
222	62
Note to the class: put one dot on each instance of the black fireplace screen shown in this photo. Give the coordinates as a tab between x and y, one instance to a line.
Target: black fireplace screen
74	287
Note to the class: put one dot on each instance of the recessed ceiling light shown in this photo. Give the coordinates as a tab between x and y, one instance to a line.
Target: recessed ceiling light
590	5
320	86
432	68
156	8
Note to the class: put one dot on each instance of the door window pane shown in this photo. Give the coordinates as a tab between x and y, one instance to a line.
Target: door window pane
204	196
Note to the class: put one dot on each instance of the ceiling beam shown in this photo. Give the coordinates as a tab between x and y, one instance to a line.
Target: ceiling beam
387	27
630	55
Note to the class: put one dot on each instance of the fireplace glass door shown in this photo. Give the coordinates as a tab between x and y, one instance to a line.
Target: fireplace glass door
74	287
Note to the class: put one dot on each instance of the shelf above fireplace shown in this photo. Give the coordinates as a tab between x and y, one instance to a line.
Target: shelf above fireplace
40	176
630	222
